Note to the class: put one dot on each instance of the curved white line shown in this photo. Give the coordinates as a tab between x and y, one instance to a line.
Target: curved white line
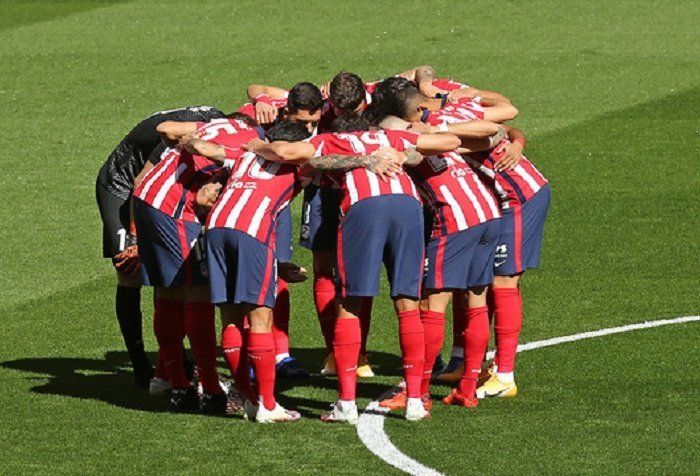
370	427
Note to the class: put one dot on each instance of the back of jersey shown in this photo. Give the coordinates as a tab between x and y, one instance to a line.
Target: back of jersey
126	161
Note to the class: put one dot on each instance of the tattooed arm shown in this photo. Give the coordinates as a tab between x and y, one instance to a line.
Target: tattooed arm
413	158
385	162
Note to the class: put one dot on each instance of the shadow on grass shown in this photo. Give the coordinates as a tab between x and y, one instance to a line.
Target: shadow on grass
110	380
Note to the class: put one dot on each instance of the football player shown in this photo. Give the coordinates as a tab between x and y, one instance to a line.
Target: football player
242	230
378	226
524	197
460	256
115	183
169	227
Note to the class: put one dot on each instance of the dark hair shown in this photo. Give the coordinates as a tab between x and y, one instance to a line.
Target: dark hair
391	97
304	96
287	131
347	91
246	119
350	123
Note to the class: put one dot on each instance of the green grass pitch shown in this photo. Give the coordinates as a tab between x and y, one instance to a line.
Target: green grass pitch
608	94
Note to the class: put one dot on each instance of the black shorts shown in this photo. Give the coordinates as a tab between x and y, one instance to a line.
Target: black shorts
116	216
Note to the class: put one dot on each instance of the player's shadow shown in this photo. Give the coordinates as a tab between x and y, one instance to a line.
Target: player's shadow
110	380
107	380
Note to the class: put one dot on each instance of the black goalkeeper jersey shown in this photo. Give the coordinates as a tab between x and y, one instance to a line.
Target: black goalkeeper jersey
143	143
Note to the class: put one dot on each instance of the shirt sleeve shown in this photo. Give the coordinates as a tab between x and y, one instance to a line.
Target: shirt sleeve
402	140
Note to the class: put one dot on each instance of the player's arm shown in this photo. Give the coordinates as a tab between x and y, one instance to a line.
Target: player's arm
261	96
205	148
512	151
281	151
256	90
430	144
385	162
475	135
419	74
173	131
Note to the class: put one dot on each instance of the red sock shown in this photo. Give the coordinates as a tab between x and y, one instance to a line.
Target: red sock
261	349
280	318
346	351
434	331
324	298
169	329
459	318
509	322
412	350
365	321
237	360
492	316
476	340
201	332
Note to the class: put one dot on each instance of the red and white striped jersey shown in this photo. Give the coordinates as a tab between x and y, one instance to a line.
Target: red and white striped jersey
458	198
255	193
447	85
464	110
359	184
171	186
513	187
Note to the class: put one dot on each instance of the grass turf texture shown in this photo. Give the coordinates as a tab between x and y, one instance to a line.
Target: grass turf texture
608	96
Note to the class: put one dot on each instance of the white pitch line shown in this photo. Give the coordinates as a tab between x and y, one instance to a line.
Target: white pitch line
370	427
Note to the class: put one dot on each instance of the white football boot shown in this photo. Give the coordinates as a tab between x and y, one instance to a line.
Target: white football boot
415	410
342	411
279	414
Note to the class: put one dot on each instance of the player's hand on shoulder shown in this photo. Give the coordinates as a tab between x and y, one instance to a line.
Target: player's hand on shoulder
388	162
265	112
512	152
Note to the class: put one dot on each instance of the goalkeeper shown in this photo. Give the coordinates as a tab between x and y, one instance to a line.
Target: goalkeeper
142	147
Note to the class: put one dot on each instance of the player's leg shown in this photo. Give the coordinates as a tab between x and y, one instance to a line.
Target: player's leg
360	246
404	253
319	226
199	321
234	343
476	333
261	351
363	367
287	366
519	249
346	351
114	212
162	264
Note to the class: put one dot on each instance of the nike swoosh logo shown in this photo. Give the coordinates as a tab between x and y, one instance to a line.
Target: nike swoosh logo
498	263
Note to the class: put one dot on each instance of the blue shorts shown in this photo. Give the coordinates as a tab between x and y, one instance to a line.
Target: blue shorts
283	241
386	229
241	268
320	218
464	259
520	244
169	249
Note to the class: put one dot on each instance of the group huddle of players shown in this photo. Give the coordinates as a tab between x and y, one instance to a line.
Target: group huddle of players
417	173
